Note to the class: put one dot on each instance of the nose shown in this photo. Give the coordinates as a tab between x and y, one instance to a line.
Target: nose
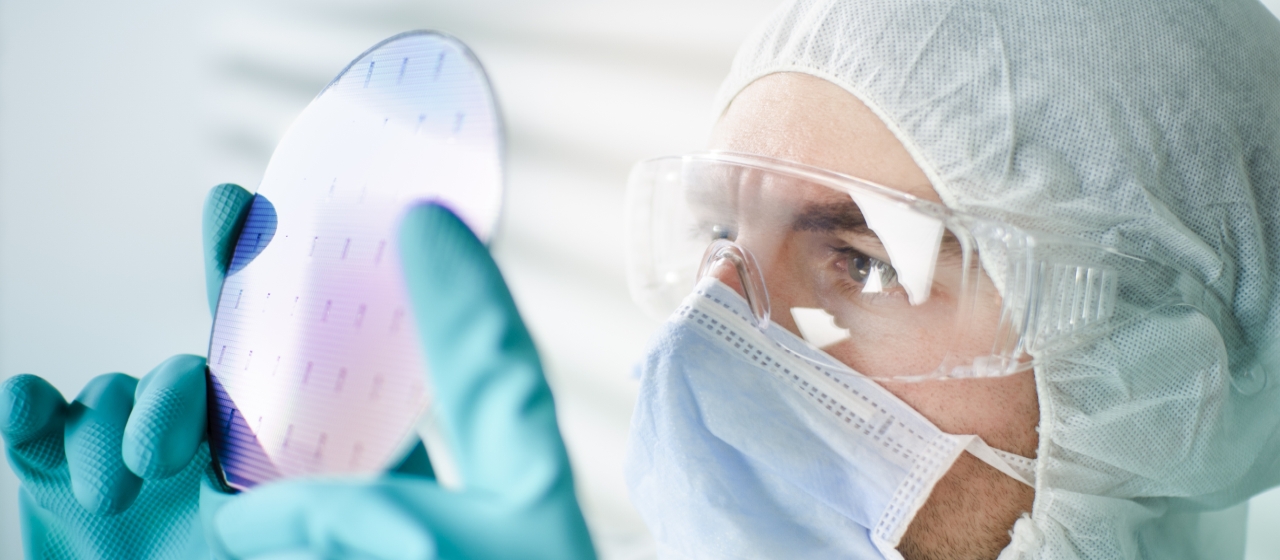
736	268
724	270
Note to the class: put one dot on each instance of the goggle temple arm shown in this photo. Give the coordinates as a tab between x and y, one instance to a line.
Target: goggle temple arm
722	252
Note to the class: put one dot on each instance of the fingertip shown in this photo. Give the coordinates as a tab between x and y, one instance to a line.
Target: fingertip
179	371
225	203
449	272
431	232
166	425
470	327
29	406
93	432
225	210
431	210
109	394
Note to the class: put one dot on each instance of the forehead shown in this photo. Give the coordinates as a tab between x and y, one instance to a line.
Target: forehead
801	118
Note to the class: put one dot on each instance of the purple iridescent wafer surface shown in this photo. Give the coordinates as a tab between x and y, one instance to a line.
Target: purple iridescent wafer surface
314	363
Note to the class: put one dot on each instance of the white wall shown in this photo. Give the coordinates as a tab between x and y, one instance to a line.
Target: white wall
99	194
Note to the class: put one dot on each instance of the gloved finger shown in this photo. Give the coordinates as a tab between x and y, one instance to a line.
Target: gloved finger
225	210
330	519
212	498
167	423
93	433
490	395
32	413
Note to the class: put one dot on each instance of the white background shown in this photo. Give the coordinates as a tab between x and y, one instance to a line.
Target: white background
116	117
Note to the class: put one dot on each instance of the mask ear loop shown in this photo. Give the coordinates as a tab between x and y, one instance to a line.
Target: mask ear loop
749	275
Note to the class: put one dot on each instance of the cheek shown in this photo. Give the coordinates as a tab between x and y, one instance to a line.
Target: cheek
890	337
889	350
1004	411
893	338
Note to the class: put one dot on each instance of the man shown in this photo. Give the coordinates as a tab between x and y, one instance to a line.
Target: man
1134	143
1098	130
800	118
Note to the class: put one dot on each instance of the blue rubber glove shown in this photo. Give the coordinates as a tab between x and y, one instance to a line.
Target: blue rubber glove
116	474
517	497
105	478
99	479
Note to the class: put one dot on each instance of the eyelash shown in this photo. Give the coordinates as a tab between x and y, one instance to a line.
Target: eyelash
847	284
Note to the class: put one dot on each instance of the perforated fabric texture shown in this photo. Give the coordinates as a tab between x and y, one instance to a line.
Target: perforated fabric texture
1152	126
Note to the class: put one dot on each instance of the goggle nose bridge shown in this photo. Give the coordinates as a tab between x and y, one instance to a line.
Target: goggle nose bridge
748	271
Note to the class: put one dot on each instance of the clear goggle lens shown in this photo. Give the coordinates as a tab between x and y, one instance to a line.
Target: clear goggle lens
893	286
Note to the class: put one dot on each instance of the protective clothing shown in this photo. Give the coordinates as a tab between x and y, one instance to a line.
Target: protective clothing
1149	126
495	411
776	449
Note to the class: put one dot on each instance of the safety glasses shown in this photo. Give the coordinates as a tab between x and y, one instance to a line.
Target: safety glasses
891	285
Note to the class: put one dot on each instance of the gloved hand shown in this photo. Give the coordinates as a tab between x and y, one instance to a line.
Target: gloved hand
136	469
116	474
99	478
497	416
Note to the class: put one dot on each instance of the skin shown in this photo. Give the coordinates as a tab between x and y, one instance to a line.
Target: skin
805	119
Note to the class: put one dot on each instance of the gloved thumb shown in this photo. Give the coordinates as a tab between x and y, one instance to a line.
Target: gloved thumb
225	210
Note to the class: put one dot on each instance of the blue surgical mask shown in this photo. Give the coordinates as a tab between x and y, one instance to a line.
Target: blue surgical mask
752	443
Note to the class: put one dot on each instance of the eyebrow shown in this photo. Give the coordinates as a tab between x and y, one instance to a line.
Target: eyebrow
847	217
832	216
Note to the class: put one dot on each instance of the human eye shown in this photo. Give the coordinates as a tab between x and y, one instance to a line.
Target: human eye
865	273
706	230
721	231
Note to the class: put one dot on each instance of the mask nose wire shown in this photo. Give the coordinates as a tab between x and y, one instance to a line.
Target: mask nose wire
744	264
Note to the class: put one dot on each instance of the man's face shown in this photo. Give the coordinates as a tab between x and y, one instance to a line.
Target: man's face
804	119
